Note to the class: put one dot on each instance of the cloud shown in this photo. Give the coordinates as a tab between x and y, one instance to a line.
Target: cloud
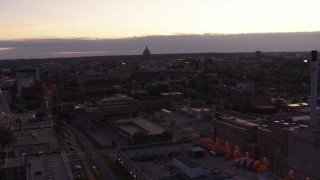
6	48
159	44
79	52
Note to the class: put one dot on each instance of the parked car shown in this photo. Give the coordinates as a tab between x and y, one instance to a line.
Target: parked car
213	153
76	167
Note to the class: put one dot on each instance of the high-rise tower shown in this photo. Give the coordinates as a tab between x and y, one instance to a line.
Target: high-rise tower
314	84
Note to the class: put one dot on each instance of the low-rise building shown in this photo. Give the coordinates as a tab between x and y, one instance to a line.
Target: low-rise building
34	139
26	77
115	106
198	113
304	153
40	166
239	133
48	166
189	167
172	96
13	169
141	130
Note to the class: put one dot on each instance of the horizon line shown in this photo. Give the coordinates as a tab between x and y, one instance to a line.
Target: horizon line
151	35
225	52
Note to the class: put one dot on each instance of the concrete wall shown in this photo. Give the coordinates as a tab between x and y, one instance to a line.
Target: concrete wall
155	149
265	144
304	155
235	136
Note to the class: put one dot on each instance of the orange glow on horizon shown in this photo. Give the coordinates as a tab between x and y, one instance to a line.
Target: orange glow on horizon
6	48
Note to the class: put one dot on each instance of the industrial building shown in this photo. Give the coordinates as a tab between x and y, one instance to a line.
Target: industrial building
115	106
304	153
132	127
199	113
35	154
304	143
237	133
40	166
32	139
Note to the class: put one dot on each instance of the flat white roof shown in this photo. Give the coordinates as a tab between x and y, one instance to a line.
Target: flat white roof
171	93
149	126
133	125
116	97
195	149
129	129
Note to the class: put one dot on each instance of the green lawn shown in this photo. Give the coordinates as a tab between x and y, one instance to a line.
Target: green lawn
119	172
96	172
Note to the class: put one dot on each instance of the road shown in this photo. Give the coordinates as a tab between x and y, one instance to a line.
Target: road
88	170
4	105
6	116
64	148
104	169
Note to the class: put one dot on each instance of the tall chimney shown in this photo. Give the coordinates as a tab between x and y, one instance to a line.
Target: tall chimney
314	82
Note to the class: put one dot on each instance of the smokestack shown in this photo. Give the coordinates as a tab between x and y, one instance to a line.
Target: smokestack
314	84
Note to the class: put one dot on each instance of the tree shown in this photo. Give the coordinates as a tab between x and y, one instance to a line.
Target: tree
13	106
6	136
295	100
41	114
189	92
58	128
74	83
167	134
139	137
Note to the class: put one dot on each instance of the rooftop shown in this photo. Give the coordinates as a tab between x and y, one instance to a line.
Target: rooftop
29	126
188	162
36	136
13	162
130	129
298	104
195	149
308	133
237	121
47	166
171	93
149	126
116	97
133	125
201	109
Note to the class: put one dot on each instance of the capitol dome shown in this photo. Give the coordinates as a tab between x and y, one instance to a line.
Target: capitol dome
146	54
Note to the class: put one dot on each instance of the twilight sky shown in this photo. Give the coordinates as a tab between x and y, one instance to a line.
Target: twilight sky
57	21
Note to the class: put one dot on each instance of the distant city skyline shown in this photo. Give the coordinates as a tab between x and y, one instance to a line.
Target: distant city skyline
75	47
44	29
